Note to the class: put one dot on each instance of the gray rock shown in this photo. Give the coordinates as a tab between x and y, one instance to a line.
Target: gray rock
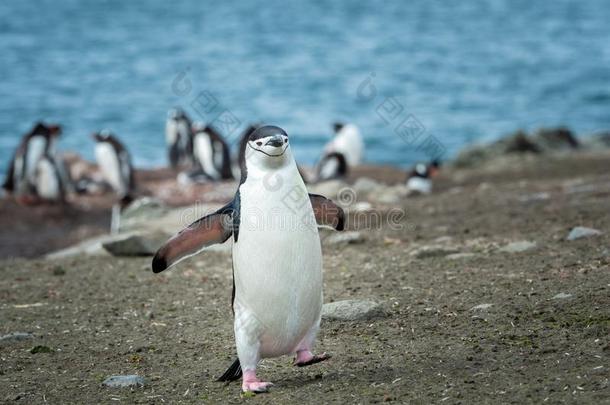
352	310
120	381
460	256
16	337
562	296
518	247
582	232
134	245
433	251
481	307
352	237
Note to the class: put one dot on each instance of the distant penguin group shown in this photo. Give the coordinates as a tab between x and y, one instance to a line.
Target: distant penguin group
34	172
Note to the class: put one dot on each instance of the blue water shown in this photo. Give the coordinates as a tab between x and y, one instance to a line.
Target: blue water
461	71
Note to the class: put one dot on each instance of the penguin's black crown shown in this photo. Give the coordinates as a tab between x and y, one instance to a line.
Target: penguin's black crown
266	131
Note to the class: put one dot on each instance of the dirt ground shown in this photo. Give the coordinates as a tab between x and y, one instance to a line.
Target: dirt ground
544	338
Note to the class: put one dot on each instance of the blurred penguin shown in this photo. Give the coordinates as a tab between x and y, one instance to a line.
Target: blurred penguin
419	180
347	141
179	138
24	169
211	152
331	166
115	165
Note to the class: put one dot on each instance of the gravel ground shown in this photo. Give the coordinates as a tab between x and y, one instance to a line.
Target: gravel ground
466	322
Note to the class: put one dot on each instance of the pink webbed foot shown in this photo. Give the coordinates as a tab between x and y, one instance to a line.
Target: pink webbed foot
307	358
252	384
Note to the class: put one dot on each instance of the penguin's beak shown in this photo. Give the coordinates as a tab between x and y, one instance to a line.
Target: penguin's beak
275	141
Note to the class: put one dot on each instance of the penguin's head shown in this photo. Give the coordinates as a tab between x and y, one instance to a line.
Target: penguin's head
421	170
269	140
267	146
198	126
102	136
337	127
51	130
175	114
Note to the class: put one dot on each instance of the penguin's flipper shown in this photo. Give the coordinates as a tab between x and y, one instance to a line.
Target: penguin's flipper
209	230
327	212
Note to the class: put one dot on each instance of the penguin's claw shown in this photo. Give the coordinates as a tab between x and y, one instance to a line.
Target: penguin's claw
306	358
255	386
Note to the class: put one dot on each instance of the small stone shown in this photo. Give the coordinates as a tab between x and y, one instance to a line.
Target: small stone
120	381
481	306
352	310
517	247
433	251
460	256
352	237
542	196
16	337
582	232
562	296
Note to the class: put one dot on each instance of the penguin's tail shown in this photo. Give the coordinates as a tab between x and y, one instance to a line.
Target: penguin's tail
233	372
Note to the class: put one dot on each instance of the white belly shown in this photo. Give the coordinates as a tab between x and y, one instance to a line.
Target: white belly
278	265
108	162
205	155
35	150
419	185
47	181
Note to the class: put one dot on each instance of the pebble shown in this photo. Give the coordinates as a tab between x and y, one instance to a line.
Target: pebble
517	247
352	237
562	296
481	306
120	381
582	232
459	256
352	310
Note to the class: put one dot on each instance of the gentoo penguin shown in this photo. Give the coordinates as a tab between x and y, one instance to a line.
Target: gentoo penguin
21	176
277	259
115	164
331	166
179	138
419	180
347	141
211	152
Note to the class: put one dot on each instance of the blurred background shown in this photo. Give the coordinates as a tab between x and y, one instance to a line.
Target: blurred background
468	71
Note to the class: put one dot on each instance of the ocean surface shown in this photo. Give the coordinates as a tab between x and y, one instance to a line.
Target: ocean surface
420	78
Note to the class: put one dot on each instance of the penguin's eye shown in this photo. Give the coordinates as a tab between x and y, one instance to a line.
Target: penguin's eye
285	138
259	143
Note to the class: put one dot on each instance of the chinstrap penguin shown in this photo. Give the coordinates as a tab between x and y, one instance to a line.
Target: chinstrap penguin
277	293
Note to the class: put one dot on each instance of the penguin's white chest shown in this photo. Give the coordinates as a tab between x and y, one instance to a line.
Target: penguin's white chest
108	162
277	263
